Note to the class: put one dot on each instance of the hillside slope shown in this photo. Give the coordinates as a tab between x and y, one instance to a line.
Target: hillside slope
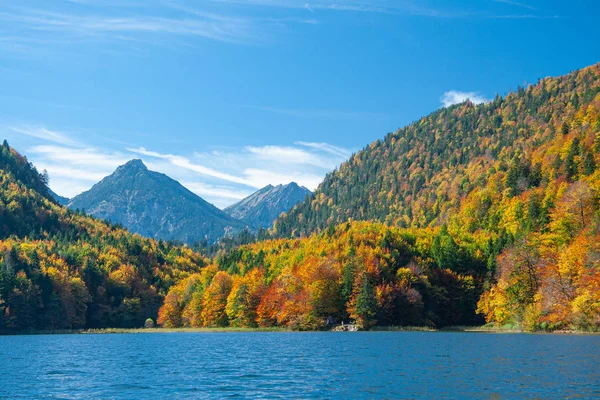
155	206
441	167
261	208
60	269
520	172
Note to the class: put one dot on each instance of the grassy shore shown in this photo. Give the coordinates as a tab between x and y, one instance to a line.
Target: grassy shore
146	330
472	329
476	329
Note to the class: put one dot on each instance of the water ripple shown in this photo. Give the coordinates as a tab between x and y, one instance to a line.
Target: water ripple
299	365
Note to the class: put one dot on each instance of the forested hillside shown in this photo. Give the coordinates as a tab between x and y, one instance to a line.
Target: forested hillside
60	269
362	271
464	158
520	170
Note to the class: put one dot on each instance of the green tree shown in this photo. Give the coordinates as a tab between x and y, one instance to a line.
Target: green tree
365	303
589	164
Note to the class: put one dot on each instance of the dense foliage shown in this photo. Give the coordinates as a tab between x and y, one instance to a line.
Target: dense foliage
521	170
61	269
364	272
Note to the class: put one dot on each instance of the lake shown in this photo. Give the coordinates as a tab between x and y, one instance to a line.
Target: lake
300	365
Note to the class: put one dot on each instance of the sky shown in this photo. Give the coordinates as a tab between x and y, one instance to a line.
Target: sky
228	96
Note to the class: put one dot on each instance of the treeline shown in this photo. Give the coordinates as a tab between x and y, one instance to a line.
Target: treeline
62	270
365	272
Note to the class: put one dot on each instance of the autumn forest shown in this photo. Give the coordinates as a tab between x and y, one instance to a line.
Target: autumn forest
472	215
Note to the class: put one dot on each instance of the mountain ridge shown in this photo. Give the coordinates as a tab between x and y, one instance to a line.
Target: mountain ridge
262	207
154	205
396	179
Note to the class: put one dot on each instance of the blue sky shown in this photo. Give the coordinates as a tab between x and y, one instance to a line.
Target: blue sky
230	95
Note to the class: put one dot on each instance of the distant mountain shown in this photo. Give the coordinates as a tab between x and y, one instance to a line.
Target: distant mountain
154	205
260	209
63	201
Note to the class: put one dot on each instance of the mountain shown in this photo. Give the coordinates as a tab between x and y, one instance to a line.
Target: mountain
261	208
456	165
154	205
63	201
60	269
516	177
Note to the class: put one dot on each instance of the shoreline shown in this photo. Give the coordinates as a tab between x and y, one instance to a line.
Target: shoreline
455	329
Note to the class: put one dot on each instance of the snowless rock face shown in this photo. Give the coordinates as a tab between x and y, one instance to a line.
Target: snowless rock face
154	205
260	209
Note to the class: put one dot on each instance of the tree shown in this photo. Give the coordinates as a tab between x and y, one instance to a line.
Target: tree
445	251
571	164
214	301
363	305
244	298
169	315
589	164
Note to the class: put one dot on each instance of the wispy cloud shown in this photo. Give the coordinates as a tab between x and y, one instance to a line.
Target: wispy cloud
254	166
516	4
524	16
130	25
44	134
456	97
222	176
225	194
73	170
326	147
286	154
397	7
405	7
135	25
89	156
93	26
184	162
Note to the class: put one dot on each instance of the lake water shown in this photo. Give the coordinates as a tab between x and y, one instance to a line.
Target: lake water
300	365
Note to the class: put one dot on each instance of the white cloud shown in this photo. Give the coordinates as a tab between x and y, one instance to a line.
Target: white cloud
363	6
88	157
392	7
456	97
293	155
220	196
44	134
73	170
221	176
129	24
184	162
515	3
214	27
326	147
254	167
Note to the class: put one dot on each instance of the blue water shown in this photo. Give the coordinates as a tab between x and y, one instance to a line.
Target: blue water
300	365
